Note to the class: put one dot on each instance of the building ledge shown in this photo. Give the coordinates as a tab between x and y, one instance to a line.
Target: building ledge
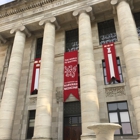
114	85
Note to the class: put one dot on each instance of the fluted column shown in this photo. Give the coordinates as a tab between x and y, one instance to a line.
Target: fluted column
88	87
10	93
131	50
43	119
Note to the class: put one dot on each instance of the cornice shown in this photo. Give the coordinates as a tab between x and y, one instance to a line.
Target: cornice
23	7
31	16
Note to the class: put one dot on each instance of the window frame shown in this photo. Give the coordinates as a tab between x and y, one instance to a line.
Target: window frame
120	73
119	117
39	43
108	30
66	38
30	118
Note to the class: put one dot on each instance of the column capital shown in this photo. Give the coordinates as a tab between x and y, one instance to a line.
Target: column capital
21	28
88	10
114	3
52	20
2	39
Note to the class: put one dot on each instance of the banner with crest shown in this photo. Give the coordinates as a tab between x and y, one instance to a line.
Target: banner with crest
71	74
111	62
35	76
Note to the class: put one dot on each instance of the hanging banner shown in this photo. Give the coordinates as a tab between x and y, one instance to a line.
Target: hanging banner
71	74
35	76
111	62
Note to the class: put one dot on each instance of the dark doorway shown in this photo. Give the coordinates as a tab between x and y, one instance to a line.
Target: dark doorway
72	121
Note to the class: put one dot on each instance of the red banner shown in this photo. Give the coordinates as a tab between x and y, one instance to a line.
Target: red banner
111	62
71	74
35	76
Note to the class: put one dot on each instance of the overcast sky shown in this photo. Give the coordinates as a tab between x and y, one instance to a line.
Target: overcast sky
5	1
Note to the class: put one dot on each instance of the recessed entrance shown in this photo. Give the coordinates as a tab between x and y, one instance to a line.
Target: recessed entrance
72	121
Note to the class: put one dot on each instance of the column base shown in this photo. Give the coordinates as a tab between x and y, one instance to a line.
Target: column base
104	131
41	138
138	136
88	137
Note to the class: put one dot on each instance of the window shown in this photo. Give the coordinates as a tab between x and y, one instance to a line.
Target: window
118	113
105	75
39	48
72	42
31	121
137	21
107	32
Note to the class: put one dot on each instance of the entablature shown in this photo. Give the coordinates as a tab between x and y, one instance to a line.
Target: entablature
31	12
62	9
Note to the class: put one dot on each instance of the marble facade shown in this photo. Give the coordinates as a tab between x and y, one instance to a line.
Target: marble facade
22	22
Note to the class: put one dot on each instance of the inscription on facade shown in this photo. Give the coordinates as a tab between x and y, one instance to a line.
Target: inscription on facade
41	8
114	91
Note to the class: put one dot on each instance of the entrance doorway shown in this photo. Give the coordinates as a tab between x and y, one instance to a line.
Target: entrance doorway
72	121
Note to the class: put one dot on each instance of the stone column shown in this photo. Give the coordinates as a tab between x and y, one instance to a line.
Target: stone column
10	93
131	50
88	87
43	119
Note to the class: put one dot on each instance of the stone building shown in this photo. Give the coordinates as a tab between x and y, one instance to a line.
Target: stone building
31	30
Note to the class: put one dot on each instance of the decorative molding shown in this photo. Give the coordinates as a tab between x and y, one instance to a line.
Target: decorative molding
33	100
26	6
2	39
36	6
88	10
115	91
51	20
59	94
21	28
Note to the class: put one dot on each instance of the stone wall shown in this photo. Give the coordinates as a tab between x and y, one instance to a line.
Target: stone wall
106	93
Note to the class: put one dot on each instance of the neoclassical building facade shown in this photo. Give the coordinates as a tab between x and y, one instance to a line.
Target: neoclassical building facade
34	37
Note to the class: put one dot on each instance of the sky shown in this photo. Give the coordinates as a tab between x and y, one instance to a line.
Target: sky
5	1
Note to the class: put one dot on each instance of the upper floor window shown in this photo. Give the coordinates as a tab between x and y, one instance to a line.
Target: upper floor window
39	48
113	81
71	40
118	113
31	120
137	21
107	32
